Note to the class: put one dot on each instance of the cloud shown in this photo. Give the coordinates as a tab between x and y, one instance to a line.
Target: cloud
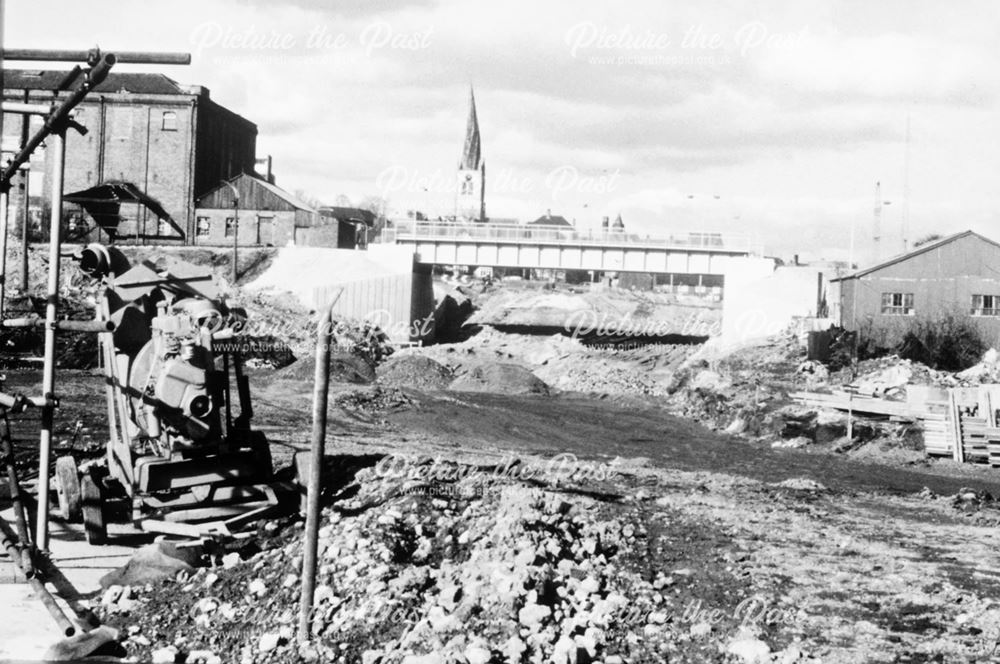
788	111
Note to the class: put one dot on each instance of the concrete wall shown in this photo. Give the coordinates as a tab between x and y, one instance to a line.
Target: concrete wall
382	285
942	281
760	300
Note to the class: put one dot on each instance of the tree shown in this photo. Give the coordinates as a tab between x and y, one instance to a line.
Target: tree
927	239
377	205
308	198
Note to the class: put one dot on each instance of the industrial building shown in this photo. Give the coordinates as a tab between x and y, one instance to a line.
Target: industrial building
267	214
146	133
958	275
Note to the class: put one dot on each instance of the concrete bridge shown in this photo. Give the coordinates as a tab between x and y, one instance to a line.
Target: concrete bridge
564	248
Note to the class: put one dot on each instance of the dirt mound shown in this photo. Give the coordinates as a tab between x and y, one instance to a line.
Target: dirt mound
415	371
344	368
499	378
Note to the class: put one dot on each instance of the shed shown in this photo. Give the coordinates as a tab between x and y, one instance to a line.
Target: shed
267	214
957	275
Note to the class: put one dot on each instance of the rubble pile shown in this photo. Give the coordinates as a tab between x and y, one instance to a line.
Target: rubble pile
739	391
421	570
498	378
414	371
565	363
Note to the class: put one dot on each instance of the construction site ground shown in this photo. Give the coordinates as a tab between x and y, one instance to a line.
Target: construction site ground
530	498
854	560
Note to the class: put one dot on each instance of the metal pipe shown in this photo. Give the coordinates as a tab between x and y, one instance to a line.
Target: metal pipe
57	120
26	202
18	402
7	450
3	251
25	109
50	603
321	386
65	325
58	147
236	224
9	541
125	57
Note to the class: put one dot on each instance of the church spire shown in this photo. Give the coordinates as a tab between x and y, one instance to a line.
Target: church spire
472	151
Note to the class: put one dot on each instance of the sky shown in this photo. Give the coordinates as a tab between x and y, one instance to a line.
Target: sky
770	119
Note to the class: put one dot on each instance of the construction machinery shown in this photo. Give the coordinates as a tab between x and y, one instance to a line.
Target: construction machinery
181	457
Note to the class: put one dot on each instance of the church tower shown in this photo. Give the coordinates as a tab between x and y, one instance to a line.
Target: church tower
470	201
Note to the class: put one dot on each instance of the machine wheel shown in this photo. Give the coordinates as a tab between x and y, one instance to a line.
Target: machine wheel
68	488
94	524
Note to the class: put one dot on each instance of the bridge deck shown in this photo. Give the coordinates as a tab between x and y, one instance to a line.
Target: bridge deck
415	232
561	247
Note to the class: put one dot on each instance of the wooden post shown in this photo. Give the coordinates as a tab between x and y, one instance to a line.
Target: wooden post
310	537
958	452
850	416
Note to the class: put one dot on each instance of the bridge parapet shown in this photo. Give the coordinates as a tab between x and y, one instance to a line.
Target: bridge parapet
416	232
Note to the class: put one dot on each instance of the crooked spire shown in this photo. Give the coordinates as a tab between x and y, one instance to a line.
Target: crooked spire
472	152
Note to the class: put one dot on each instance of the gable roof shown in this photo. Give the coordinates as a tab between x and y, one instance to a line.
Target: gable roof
281	193
258	181
922	249
49	79
550	220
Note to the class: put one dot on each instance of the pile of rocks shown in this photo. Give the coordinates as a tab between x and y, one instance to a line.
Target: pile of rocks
483	569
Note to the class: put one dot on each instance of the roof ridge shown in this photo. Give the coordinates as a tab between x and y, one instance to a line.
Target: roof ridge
924	248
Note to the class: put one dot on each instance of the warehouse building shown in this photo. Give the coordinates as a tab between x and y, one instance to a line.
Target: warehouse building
957	275
145	133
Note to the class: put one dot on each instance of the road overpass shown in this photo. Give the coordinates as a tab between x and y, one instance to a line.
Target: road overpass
564	248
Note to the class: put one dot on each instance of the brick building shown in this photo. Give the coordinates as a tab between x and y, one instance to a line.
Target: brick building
172	142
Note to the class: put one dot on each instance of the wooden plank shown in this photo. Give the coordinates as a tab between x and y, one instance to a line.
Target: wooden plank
956	423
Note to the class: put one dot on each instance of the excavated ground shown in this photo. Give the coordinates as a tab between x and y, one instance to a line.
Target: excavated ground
671	542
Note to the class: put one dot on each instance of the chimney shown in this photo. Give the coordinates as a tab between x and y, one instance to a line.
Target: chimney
548	213
268	173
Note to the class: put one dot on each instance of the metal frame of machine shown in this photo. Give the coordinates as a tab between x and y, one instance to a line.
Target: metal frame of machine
180	449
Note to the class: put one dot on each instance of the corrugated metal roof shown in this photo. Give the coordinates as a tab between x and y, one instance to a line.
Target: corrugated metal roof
281	193
137	83
273	189
930	246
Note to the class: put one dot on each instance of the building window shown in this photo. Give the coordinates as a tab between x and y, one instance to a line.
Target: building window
897	304
986	305
169	121
201	229
230	226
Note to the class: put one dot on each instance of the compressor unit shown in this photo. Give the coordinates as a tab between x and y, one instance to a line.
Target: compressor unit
182	457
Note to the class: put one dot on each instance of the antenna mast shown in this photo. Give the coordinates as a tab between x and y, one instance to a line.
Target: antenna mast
877	223
906	189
